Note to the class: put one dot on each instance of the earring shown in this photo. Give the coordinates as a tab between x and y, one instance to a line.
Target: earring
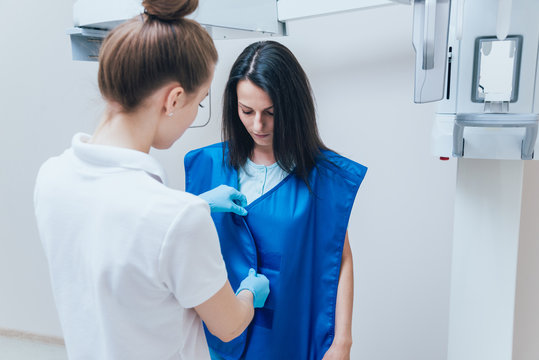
170	115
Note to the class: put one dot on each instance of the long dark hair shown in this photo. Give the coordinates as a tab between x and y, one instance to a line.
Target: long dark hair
296	142
152	49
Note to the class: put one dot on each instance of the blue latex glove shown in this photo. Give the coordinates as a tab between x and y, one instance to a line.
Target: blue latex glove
225	199
258	284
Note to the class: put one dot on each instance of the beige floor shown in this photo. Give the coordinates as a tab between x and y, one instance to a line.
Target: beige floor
20	349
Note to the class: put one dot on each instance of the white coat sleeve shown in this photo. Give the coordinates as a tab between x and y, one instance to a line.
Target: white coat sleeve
191	264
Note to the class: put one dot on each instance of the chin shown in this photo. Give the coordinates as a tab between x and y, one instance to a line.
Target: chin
263	143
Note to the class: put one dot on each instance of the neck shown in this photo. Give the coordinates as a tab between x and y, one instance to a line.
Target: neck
263	156
128	130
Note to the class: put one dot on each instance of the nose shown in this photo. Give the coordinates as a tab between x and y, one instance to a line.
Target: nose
258	123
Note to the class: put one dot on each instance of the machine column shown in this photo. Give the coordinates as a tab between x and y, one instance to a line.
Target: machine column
490	306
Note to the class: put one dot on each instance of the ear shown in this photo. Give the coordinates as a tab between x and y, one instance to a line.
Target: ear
175	99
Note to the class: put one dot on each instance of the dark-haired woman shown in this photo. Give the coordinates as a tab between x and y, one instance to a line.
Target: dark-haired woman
300	195
136	265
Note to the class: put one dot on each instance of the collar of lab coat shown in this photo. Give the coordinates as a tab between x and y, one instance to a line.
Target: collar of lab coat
112	156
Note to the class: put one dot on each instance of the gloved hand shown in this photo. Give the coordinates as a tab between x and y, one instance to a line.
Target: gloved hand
225	199
258	284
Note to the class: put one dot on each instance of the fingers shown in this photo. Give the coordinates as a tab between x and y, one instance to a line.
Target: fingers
238	197
238	210
225	198
252	272
239	201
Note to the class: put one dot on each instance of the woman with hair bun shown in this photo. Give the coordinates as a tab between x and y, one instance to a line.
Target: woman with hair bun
135	266
300	195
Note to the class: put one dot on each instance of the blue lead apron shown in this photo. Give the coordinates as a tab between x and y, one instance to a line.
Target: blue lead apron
295	238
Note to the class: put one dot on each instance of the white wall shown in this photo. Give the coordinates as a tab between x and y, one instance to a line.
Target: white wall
44	98
361	69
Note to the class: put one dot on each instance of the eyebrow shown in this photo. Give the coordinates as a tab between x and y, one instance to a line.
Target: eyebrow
248	107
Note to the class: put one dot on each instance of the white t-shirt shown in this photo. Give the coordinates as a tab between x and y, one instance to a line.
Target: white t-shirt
255	180
129	257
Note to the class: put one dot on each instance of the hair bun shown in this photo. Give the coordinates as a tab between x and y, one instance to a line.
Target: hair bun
169	10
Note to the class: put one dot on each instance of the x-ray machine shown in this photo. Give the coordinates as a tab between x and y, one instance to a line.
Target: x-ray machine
476	58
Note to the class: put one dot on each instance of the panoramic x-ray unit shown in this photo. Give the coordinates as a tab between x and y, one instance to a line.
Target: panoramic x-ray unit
477	59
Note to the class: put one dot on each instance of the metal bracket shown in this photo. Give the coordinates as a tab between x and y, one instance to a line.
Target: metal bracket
85	43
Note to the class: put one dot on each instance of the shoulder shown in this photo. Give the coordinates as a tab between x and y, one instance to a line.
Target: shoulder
341	166
55	163
205	168
163	209
194	214
207	151
171	202
55	170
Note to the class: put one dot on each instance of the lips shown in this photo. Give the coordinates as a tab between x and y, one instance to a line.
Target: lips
261	136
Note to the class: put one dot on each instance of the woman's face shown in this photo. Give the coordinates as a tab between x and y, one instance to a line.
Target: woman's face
255	110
